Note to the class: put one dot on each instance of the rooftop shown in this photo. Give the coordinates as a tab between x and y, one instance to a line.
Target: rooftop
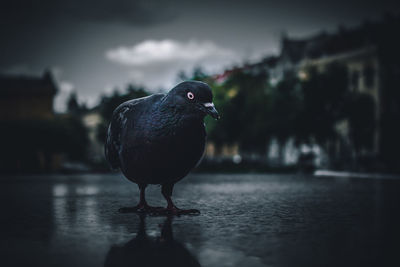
27	85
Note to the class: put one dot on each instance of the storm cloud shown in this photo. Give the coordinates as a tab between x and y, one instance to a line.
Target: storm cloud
155	63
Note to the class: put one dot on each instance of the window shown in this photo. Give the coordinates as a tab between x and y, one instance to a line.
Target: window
369	76
355	77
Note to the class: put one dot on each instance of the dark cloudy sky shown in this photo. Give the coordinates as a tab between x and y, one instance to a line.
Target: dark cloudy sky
94	45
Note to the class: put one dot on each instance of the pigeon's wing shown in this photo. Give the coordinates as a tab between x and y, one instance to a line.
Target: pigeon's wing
113	140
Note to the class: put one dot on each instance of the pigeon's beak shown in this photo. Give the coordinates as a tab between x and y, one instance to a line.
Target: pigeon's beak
210	110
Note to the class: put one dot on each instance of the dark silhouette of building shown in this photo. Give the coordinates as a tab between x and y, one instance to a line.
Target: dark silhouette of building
30	134
25	97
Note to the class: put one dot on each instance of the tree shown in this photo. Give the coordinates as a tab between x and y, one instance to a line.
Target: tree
242	102
73	106
72	103
286	106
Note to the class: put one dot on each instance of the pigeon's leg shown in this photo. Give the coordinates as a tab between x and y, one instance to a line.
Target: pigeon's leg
166	190
142	207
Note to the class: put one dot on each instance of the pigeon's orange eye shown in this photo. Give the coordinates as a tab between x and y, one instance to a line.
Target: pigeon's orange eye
190	95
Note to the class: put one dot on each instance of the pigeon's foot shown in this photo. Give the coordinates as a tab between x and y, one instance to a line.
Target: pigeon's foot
175	211
140	208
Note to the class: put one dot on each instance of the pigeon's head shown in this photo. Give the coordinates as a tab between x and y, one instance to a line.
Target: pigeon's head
194	97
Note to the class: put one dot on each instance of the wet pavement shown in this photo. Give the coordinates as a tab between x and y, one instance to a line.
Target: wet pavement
245	220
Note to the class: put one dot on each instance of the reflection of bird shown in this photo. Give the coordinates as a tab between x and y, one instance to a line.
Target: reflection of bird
158	139
145	251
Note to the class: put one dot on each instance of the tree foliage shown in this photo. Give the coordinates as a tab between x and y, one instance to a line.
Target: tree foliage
252	110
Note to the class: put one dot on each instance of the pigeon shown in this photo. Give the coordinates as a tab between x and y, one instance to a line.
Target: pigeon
159	139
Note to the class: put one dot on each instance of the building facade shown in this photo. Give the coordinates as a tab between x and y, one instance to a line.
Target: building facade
23	97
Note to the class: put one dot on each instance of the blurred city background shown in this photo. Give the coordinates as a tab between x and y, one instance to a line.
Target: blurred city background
302	169
316	99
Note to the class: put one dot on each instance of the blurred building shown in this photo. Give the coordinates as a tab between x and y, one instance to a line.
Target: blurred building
370	56
26	97
350	49
29	129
